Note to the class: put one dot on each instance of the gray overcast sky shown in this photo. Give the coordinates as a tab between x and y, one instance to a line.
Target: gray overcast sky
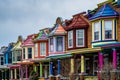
24	17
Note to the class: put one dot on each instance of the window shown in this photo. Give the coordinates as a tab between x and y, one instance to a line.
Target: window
2	61
23	53
29	52
13	55
19	56
96	31
70	39
59	44
108	29
36	49
43	48
79	38
51	44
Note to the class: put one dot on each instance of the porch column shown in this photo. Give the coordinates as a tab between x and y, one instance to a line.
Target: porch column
58	67
100	55
51	68
41	70
15	73
82	67
51	71
82	64
26	72
2	74
114	59
72	65
11	74
35	68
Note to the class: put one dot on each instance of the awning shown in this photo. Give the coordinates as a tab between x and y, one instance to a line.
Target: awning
40	59
25	63
60	56
14	66
84	50
4	67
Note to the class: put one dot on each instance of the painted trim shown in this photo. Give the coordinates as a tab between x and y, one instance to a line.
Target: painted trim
115	37
101	24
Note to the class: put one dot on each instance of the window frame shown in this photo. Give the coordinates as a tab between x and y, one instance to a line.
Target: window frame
111	30
36	50
60	44
41	44
29	53
51	44
99	30
80	37
70	33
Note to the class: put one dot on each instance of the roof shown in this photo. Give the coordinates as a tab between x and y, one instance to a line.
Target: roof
105	11
17	45
42	35
58	28
78	21
28	41
2	50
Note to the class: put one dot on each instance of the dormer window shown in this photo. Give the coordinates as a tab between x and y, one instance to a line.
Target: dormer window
80	38
59	44
108	29
70	39
96	31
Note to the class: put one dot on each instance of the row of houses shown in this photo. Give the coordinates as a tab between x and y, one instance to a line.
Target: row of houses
86	47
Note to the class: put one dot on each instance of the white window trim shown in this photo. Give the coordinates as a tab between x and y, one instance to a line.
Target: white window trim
72	39
83	38
45	49
62	43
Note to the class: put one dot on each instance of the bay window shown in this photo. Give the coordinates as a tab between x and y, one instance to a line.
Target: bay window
43	48
79	37
108	29
96	31
70	39
59	44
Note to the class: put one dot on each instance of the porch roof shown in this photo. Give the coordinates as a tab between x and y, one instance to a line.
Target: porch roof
4	67
84	51
13	66
60	56
26	63
40	59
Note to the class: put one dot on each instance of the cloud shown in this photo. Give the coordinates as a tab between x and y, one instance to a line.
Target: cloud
24	17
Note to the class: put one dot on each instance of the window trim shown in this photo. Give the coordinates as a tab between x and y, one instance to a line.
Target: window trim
41	50
71	38
36	50
99	31
80	37
57	44
112	30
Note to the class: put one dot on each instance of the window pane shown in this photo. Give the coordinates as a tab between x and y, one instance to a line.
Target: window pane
70	38
36	49
79	37
96	30
51	44
29	52
108	29
59	42
43	48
